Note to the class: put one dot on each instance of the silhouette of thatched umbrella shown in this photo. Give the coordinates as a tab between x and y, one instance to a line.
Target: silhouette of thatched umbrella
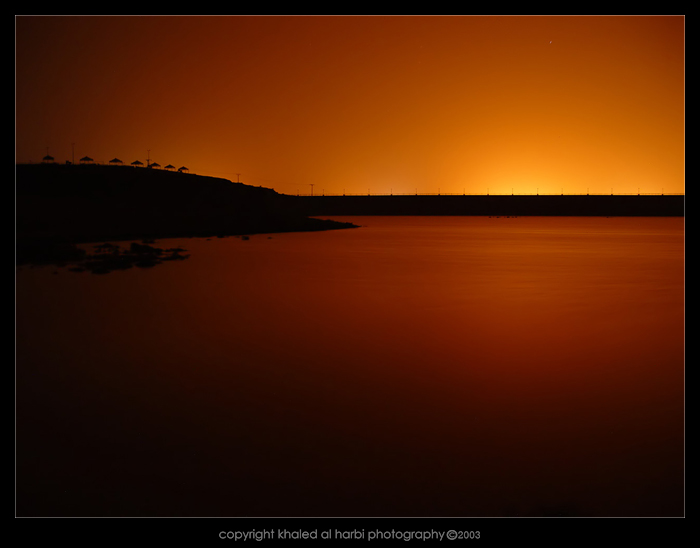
182	169
169	166
136	163
47	158
115	161
86	160
154	164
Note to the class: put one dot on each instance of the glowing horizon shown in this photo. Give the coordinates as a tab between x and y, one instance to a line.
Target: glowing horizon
357	105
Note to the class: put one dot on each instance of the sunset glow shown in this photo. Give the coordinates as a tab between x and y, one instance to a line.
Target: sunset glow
359	105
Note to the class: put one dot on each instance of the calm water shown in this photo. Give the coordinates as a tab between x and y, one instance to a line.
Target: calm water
424	366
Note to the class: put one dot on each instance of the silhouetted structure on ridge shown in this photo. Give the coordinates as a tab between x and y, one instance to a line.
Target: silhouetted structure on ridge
48	159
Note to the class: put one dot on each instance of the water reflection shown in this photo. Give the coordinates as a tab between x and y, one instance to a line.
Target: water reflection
415	366
101	259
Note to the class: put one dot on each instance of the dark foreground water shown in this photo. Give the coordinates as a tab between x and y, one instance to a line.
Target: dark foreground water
417	366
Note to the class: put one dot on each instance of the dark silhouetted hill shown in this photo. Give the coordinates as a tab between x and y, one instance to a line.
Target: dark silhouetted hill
67	204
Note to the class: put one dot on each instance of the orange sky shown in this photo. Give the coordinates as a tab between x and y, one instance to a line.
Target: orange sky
357	104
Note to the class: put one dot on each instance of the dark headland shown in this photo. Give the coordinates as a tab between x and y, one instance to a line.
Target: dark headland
58	206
